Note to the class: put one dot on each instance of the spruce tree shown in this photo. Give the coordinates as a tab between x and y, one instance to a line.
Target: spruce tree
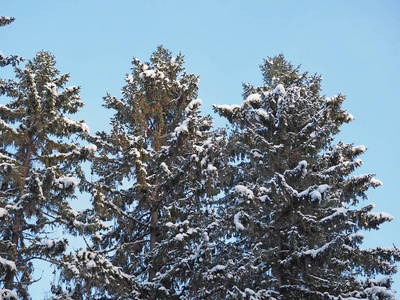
291	222
157	172
39	170
7	86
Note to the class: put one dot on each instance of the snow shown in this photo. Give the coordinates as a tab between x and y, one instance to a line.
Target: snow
135	152
71	88
239	226
129	78
254	98
52	88
10	264
151	74
91	264
170	224
302	165
375	182
361	148
279	90
192	104
358	162
357	235
50	243
84	126
66	182
337	212
256	153
3	212
378	216
191	231
211	168
181	128
98	236
349	117
164	166
315	252
8	294
8	127
261	112
228	107
91	148
180	236
244	191
317	194
217	268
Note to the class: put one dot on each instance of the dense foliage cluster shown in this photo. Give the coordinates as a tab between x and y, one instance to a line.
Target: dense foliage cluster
267	208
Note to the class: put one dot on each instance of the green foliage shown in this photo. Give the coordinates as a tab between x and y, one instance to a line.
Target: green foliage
290	226
157	169
37	172
180	210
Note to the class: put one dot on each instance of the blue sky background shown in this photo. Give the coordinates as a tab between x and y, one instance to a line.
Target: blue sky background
354	44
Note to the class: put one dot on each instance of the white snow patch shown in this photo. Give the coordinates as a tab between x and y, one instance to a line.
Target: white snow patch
244	191
181	128
192	104
129	78
338	211
84	126
377	216
135	152
375	182
164	166
152	74
228	107
358	162
211	168
302	165
218	268
261	112
91	264
236	220
317	194
254	98
316	252
3	212
66	182
10	264
349	117
180	236
170	224
8	294
361	148
50	243
91	148
279	90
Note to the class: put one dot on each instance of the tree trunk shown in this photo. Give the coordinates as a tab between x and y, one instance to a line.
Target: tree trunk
9	278
153	240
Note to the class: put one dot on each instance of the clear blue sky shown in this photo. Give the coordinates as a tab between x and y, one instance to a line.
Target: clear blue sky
354	44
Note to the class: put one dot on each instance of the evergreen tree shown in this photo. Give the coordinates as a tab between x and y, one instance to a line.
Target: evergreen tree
39	170
7	86
157	173
291	222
